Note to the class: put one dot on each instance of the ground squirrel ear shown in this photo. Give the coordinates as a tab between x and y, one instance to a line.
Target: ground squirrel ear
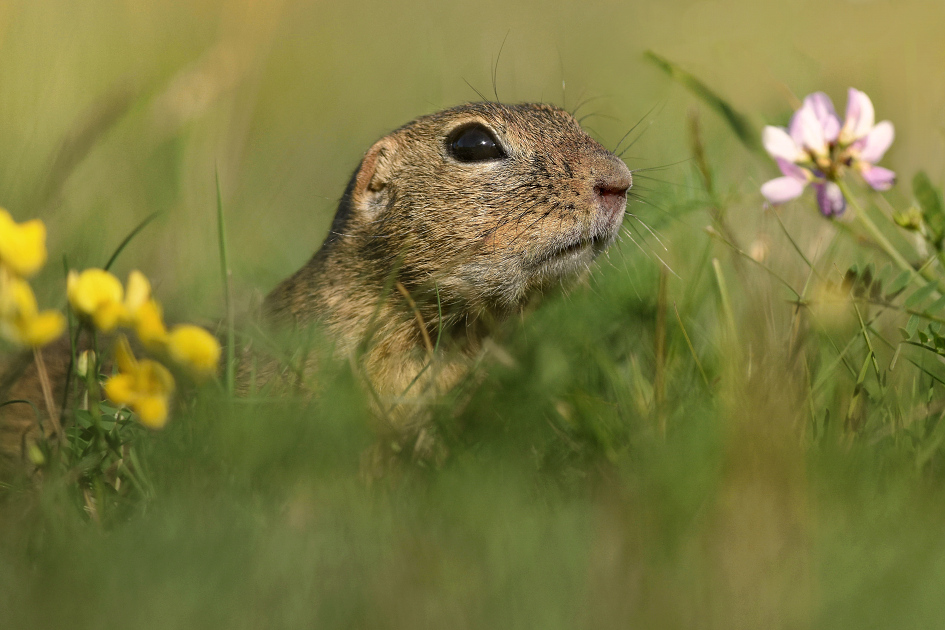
374	173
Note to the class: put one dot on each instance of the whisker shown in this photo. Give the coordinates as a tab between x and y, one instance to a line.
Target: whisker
584	102
634	127
652	232
669	183
597	114
658	257
634	241
475	90
660	168
564	97
495	68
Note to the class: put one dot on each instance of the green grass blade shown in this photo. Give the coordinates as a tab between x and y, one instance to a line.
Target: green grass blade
736	120
228	302
692	350
727	311
131	235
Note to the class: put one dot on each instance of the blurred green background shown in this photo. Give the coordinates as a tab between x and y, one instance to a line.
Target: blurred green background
599	481
147	99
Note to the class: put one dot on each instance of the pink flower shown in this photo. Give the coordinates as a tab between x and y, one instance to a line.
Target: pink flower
816	149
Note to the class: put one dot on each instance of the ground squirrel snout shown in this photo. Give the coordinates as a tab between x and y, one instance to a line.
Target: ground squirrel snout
471	211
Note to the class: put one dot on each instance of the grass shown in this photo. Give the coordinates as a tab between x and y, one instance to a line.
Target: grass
705	443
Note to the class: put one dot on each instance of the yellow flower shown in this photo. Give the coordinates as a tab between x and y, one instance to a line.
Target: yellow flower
195	348
150	326
97	295
144	386
20	319
22	245
144	313
137	293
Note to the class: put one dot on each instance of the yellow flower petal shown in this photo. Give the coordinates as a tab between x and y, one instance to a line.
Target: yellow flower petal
7	301
108	315
152	411
72	283
120	389
137	292
195	348
45	328
145	386
21	298
22	245
125	359
97	295
154	378
150	326
20	320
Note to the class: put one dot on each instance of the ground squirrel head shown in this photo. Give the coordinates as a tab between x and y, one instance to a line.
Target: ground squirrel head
483	204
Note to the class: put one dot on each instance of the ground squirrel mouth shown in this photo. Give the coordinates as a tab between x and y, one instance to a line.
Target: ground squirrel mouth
594	242
611	202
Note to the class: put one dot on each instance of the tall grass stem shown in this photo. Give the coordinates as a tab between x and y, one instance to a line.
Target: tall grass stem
884	243
227	299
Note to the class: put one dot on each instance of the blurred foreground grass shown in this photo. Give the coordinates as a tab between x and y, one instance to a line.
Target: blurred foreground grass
604	473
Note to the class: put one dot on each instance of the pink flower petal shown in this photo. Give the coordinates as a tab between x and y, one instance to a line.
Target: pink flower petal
806	130
830	199
794	129
794	171
876	142
782	189
860	117
823	109
878	178
779	144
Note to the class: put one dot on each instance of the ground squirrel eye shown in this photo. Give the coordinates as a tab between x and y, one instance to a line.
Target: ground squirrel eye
474	143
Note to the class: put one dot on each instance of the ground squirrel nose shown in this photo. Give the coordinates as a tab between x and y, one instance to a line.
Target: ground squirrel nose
612	186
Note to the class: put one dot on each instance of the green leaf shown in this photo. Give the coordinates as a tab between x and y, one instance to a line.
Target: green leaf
930	199
920	295
884	272
736	120
912	326
83	418
899	283
936	306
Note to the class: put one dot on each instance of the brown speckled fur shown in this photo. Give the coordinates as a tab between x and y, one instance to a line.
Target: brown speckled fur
20	422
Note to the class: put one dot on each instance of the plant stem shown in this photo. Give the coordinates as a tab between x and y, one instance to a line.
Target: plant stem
92	391
874	231
230	314
47	393
729	314
882	241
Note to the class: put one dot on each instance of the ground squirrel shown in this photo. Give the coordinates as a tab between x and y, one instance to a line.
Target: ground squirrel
449	223
467	214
